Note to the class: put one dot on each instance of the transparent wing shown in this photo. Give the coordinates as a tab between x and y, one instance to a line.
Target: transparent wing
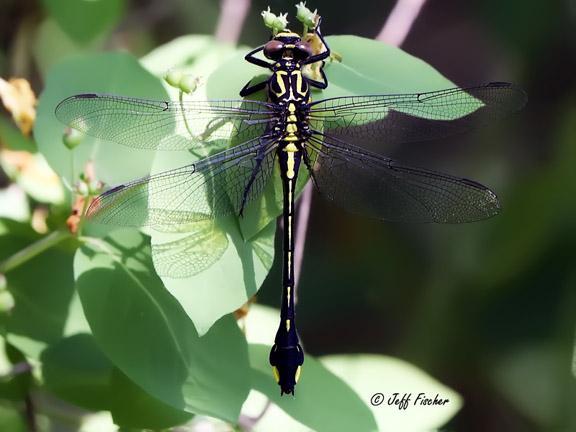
364	182
203	244
214	186
165	125
369	121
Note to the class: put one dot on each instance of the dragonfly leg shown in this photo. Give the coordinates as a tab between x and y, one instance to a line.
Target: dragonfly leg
319	84
323	55
255	171
310	170
250	58
248	89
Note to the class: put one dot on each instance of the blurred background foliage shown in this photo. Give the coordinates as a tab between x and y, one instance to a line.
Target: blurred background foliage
487	308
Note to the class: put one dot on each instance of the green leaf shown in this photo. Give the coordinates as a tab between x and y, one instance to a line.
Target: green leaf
235	272
44	298
372	67
76	370
103	73
198	55
10	419
52	45
147	335
15	381
368	374
322	401
84	20
13	139
132	407
532	379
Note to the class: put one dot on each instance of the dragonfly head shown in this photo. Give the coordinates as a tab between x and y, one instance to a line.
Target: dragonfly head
287	45
286	366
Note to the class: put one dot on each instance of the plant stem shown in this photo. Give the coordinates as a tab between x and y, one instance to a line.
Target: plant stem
30	413
33	250
231	20
400	21
301	230
83	214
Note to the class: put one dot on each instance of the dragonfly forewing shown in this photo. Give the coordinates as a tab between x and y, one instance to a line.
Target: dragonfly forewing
164	125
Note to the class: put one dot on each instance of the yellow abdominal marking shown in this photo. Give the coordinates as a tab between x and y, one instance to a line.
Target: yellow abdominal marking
289	263
287	325
290	165
288	293
276	373
297	375
290	221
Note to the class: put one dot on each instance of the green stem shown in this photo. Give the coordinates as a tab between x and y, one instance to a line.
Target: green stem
181	100
33	250
83	215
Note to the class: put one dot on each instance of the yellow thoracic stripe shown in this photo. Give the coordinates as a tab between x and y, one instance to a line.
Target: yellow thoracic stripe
280	82
299	88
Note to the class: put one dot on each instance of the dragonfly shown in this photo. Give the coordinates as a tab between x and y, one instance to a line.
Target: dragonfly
327	139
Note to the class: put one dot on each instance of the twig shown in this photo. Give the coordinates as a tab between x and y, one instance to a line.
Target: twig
32	250
400	21
301	230
247	423
231	20
30	413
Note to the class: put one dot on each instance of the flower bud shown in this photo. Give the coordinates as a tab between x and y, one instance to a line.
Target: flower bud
305	15
281	22
72	138
173	78
188	84
94	187
82	189
268	17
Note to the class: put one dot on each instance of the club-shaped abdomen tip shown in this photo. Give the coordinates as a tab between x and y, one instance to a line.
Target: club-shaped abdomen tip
286	367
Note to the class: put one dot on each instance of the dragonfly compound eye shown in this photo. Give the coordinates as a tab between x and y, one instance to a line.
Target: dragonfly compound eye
273	49
302	51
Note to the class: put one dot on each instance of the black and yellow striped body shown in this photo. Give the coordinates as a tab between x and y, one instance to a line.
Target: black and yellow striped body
288	88
289	91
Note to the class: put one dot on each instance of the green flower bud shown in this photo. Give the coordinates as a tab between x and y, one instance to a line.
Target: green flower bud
173	78
305	15
268	17
94	187
281	22
188	84
72	138
6	301
82	189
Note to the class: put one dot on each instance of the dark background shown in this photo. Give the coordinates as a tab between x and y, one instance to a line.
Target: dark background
486	308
